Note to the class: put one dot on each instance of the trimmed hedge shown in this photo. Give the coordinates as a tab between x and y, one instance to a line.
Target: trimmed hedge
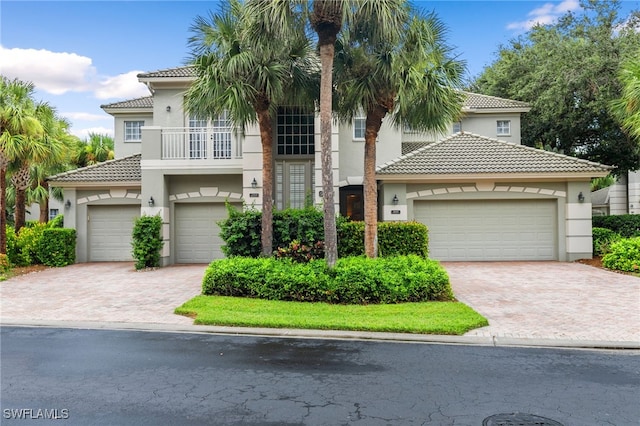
354	280
241	233
58	247
147	241
627	225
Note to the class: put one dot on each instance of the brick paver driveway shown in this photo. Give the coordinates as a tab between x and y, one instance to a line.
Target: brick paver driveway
549	300
103	292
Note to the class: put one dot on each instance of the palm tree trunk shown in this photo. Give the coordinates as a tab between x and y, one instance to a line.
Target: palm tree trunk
20	212
266	135
326	19
3	209
330	232
372	127
20	180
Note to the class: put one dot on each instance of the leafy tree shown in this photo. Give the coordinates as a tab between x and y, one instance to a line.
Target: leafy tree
17	123
568	73
412	78
627	108
248	74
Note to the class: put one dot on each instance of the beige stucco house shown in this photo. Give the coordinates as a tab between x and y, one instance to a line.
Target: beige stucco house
482	194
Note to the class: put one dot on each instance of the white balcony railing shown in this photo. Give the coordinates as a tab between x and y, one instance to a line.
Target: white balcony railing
199	143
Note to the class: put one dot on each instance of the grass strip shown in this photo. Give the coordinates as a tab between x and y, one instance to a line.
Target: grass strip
453	318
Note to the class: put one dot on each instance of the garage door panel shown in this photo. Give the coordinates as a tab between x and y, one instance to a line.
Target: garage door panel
197	233
109	232
490	230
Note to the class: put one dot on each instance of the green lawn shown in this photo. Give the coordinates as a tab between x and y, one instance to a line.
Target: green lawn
421	318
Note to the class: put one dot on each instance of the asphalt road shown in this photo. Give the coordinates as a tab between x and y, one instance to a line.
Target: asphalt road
100	377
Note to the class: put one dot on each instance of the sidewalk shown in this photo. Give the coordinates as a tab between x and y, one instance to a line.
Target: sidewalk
527	303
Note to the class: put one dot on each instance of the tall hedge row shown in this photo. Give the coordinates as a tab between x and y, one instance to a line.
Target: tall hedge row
241	233
627	225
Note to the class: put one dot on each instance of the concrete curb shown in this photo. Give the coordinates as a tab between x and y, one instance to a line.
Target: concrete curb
494	340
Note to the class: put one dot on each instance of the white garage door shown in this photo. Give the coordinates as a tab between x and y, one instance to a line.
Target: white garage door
197	235
109	232
490	230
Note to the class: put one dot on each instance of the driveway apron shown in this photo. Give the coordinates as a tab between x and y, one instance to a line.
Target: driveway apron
549	300
530	300
102	292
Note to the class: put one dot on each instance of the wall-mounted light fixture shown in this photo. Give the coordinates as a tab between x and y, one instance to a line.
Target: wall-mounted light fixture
67	205
254	183
581	197
168	108
151	202
395	200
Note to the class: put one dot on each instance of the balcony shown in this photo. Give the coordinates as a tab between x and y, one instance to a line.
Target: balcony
199	143
192	149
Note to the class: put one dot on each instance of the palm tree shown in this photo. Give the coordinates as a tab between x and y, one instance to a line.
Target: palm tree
327	18
97	148
412	77
627	108
17	123
47	148
249	76
60	161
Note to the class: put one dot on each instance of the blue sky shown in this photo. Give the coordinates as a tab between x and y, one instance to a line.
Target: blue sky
82	54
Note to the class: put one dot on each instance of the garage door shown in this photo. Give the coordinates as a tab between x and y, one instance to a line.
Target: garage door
490	230
197	235
109	232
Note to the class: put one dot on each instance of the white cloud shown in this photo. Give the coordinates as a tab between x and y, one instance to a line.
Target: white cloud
84	133
545	14
62	72
121	86
53	72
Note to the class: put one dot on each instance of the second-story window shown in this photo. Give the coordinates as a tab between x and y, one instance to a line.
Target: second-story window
295	134
503	128
133	131
359	125
457	127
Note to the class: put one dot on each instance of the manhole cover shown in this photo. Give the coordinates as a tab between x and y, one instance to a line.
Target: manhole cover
518	419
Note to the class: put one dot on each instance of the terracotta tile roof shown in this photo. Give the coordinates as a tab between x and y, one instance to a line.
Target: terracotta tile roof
477	101
466	153
126	169
186	71
146	102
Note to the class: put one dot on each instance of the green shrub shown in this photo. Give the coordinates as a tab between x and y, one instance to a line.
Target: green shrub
624	255
303	225
627	225
56	222
58	247
351	239
394	239
241	232
354	280
28	243
147	241
403	238
13	251
602	239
